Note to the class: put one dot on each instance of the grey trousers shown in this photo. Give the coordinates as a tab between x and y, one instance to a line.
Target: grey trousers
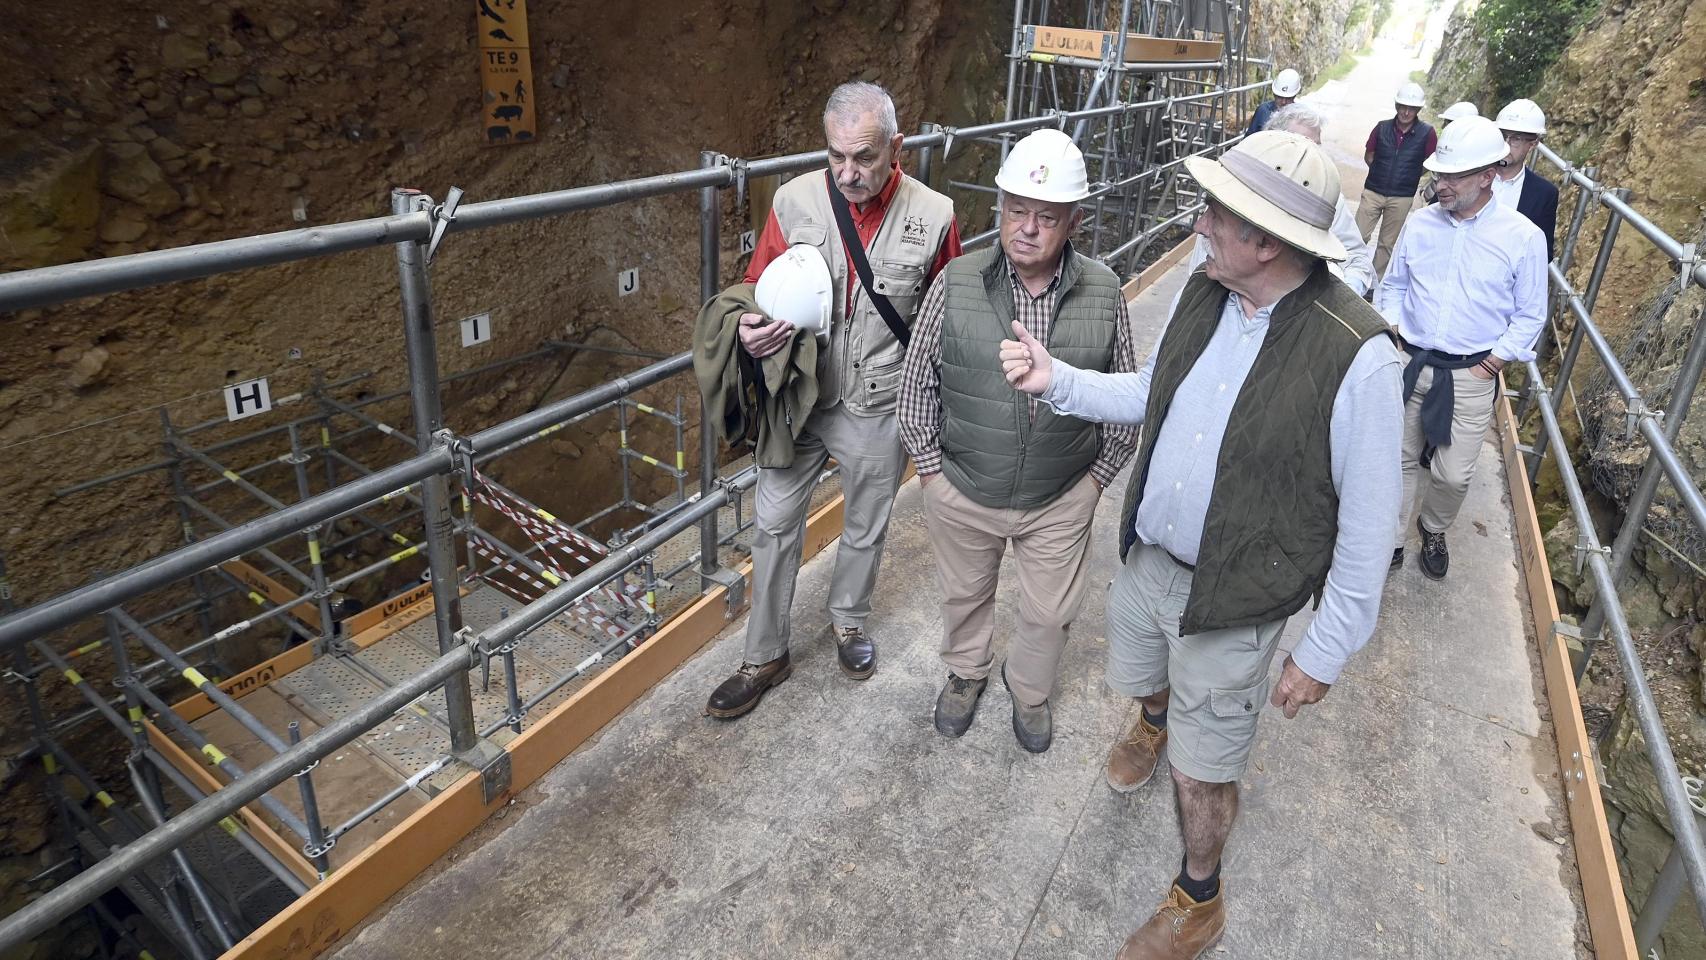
871	458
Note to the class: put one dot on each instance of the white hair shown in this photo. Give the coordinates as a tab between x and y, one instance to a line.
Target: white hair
852	100
1297	117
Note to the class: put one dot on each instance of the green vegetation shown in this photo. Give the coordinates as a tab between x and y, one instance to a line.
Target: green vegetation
1524	37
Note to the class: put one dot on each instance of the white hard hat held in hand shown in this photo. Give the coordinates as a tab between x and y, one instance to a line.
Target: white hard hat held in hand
1287	83
1410	95
1523	116
796	288
1468	144
1461	110
1045	166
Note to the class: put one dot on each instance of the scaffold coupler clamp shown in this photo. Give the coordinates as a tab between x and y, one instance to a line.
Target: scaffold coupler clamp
948	135
443	215
1687	263
1583	548
1060	119
737	166
461	454
1637	410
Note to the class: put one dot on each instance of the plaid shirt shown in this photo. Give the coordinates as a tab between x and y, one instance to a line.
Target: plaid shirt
920	411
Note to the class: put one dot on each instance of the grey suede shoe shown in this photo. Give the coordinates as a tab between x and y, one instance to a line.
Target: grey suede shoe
957	705
1033	726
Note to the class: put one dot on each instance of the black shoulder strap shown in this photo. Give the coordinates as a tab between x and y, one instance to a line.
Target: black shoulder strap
856	253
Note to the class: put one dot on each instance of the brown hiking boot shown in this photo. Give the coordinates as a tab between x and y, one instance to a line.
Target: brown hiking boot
1181	929
1132	761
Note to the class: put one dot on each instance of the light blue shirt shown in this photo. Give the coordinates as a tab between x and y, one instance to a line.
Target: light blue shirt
1367	427
1463	286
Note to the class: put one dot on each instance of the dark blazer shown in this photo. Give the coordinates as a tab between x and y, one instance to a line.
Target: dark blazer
1539	203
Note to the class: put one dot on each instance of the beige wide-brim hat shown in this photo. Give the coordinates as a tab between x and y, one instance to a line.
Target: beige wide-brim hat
1282	183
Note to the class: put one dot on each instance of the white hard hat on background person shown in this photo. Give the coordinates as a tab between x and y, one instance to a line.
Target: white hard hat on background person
1282	183
1461	110
1046	166
1410	95
1287	83
1523	116
796	288
1468	144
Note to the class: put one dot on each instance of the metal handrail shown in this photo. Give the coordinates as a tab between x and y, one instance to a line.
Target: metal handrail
1606	564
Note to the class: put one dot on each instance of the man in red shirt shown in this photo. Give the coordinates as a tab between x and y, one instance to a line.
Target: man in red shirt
906	233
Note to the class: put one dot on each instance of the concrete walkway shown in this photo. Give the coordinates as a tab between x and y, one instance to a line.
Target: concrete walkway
1408	815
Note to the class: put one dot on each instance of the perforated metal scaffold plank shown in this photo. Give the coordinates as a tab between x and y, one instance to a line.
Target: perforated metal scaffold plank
407	740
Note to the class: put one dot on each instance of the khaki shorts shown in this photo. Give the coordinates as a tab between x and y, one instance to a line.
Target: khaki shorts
1219	679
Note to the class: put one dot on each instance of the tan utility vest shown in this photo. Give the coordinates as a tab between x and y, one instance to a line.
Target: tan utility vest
861	368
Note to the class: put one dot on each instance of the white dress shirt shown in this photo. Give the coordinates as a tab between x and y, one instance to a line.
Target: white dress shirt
1367	425
1464	286
1357	270
1508	192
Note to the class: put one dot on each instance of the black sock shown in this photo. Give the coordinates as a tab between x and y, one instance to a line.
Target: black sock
1156	720
1201	891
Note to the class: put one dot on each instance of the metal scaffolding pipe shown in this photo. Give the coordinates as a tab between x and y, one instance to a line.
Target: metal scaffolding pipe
557	411
47	285
73	605
53	906
219	758
435	492
231	825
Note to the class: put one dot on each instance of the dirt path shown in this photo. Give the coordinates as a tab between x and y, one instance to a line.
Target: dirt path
1355	104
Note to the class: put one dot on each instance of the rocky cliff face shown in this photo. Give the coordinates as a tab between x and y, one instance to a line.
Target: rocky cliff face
1459	70
1307	35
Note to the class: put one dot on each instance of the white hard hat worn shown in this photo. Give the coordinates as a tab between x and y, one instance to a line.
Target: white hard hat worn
1046	166
1282	183
796	287
1468	144
1410	95
1523	116
1460	110
1287	83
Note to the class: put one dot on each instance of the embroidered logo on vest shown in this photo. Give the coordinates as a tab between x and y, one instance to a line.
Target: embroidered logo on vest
914	230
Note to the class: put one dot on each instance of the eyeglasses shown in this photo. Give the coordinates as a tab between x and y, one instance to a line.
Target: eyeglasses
1511	137
1045	220
1460	177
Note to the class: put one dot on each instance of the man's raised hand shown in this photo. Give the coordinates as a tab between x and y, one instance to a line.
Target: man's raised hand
1025	362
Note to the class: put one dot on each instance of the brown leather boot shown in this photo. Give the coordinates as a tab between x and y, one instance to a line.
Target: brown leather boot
1181	929
1132	761
742	691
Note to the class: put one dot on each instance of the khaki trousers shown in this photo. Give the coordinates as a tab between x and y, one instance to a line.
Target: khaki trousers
1051	553
1446	480
1390	212
869	453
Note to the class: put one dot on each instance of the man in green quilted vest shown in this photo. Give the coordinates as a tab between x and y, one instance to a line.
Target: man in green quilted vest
997	465
1268	475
